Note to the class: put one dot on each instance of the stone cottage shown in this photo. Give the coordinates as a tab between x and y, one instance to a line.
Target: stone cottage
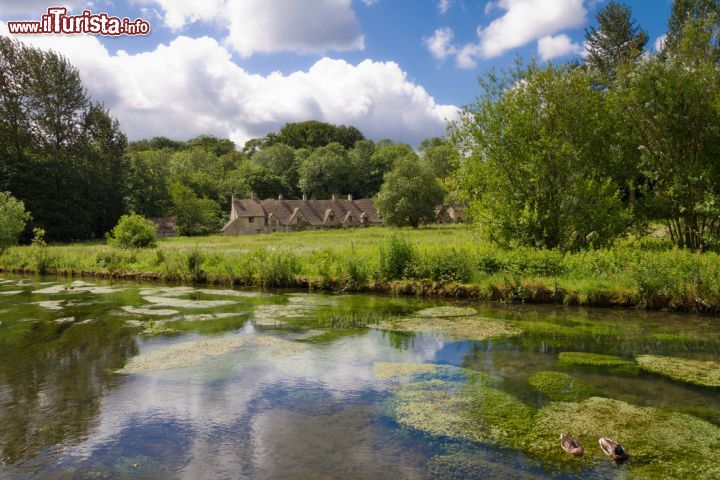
252	216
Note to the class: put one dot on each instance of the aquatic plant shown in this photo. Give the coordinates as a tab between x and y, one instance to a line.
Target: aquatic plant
446	311
387	370
149	311
182	355
173	302
454	329
561	387
662	444
596	360
695	372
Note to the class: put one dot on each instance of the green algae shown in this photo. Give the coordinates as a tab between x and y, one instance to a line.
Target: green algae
153	328
596	360
561	387
150	312
389	370
446	311
457	403
695	372
182	355
662	444
197	352
172	302
204	317
454	329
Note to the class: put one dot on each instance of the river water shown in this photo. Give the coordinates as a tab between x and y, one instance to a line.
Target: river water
125	380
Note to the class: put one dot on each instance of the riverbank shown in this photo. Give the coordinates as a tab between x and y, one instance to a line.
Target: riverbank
448	261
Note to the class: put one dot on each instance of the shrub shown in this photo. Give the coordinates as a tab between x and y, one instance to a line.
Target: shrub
39	252
12	220
133	231
396	255
193	264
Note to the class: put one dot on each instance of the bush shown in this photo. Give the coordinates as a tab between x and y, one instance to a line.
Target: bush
12	220
133	231
396	255
193	263
114	260
41	258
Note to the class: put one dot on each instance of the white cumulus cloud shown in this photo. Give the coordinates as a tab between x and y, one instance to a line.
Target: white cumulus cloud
558	46
444	5
440	44
522	22
660	43
260	26
192	86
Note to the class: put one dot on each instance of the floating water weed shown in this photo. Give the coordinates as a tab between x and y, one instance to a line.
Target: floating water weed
561	387
454	329
446	311
596	360
695	372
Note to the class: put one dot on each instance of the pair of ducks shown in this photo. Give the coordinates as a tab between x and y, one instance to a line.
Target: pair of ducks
609	447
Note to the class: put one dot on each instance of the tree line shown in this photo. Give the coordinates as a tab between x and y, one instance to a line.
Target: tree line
571	156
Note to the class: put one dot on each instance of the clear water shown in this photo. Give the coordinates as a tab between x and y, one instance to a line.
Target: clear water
308	408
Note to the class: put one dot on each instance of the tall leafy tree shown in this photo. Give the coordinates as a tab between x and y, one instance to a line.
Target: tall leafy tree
536	160
280	160
684	11
410	194
672	107
326	171
615	41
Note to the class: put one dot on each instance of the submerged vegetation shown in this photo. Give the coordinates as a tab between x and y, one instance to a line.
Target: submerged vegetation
561	387
470	406
704	374
595	360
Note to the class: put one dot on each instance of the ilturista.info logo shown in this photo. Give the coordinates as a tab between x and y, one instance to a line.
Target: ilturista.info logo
57	21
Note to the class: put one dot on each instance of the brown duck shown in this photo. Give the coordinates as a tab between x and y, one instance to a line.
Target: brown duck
613	450
571	446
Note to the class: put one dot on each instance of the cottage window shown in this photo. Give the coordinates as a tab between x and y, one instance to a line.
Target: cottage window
251	220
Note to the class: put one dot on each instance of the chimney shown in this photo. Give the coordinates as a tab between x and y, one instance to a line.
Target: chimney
280	197
350	197
334	197
252	196
304	197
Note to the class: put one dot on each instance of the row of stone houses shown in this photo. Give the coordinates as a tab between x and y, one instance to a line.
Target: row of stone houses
253	216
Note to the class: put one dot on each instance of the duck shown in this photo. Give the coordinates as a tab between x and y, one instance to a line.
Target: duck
613	450
571	446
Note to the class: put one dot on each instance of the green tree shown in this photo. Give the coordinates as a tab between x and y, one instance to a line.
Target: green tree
672	107
410	194
148	178
280	161
536	160
326	171
616	40
194	215
691	11
314	134
13	218
439	155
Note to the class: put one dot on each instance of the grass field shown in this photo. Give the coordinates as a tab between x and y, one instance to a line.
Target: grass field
441	260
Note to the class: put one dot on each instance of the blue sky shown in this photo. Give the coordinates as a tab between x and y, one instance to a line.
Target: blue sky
240	68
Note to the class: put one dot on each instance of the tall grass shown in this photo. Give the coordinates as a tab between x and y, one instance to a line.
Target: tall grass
641	272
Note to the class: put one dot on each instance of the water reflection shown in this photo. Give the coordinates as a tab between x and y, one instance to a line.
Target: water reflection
313	412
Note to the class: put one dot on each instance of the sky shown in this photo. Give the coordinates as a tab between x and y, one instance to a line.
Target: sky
239	69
